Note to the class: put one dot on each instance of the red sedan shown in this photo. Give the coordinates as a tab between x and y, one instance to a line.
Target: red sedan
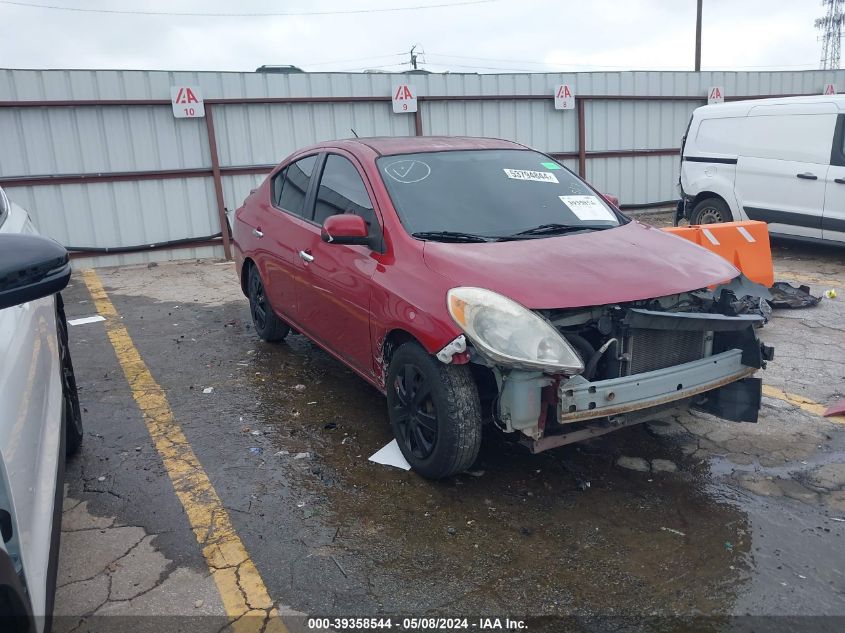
476	280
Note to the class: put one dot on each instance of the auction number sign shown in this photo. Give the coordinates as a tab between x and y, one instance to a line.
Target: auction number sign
404	98
187	102
716	94
564	97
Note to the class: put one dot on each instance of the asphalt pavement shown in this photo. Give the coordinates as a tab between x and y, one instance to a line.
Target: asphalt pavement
685	517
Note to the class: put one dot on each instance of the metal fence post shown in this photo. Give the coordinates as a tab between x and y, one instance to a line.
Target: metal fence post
418	128
218	183
582	138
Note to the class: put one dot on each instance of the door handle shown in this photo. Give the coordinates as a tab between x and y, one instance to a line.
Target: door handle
306	257
257	233
807	176
841	181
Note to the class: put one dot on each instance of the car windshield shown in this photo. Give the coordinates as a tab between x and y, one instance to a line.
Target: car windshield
477	195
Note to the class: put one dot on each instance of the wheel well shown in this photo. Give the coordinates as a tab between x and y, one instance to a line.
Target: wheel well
392	341
245	269
483	376
704	195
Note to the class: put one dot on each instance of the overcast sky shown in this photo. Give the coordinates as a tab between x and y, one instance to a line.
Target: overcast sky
499	35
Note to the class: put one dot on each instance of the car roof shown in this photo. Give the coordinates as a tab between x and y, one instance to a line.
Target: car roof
390	145
741	108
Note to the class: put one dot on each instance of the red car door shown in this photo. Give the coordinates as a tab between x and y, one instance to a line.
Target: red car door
334	297
282	232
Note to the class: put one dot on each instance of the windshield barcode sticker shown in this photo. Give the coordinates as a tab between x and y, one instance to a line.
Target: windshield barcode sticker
587	207
537	176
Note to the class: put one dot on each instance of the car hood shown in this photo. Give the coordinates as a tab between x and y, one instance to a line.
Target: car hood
628	263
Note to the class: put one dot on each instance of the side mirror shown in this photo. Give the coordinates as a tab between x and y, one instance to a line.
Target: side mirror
611	199
345	229
31	267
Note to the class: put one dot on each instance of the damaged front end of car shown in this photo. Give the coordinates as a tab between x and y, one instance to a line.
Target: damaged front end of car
562	376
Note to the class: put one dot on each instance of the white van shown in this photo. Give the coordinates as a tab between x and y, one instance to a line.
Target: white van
777	160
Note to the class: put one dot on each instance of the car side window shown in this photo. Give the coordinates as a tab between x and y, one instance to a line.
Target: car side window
276	187
837	154
842	139
295	186
342	191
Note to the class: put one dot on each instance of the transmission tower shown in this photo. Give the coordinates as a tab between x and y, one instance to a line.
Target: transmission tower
831	28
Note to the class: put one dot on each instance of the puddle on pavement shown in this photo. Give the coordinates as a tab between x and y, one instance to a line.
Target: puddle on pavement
525	534
566	531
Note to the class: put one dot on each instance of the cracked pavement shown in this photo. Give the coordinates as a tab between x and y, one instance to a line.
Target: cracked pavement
110	569
680	516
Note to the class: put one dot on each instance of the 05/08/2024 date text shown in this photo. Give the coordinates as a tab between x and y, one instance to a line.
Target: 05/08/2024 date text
416	624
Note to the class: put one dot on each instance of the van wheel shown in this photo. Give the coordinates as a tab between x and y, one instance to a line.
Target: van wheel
267	325
710	211
434	411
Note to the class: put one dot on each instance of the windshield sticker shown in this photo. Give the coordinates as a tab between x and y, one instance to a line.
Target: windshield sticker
537	176
587	208
551	166
408	171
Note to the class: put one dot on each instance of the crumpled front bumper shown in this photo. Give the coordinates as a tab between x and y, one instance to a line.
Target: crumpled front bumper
580	399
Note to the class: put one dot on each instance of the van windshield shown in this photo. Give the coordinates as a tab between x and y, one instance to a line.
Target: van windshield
491	194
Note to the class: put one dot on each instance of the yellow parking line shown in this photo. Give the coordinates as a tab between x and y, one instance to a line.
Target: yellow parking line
240	585
800	401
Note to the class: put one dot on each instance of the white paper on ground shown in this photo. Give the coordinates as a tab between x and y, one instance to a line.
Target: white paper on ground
84	320
390	455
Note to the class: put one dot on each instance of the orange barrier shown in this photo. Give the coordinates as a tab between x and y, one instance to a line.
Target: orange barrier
744	244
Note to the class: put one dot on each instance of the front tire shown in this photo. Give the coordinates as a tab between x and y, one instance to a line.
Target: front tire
267	325
710	211
434	411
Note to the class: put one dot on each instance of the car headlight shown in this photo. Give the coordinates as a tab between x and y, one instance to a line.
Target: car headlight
510	334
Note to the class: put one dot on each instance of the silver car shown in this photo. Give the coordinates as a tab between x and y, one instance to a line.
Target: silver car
40	421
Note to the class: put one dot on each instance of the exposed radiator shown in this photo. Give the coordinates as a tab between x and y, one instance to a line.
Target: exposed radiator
657	349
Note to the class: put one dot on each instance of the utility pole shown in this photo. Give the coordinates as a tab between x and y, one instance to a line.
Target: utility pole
831	27
414	57
698	36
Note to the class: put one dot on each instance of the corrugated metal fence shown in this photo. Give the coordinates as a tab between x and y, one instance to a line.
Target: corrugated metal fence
100	161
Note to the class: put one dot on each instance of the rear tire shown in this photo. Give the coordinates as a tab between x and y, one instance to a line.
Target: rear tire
72	412
267	325
434	411
710	211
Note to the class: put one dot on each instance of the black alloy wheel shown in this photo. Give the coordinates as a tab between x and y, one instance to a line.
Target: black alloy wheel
434	411
267	325
257	301
414	412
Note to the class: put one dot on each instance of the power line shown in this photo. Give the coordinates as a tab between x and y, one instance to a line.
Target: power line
356	59
487	59
524	61
443	61
363	68
473	67
442	5
569	65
